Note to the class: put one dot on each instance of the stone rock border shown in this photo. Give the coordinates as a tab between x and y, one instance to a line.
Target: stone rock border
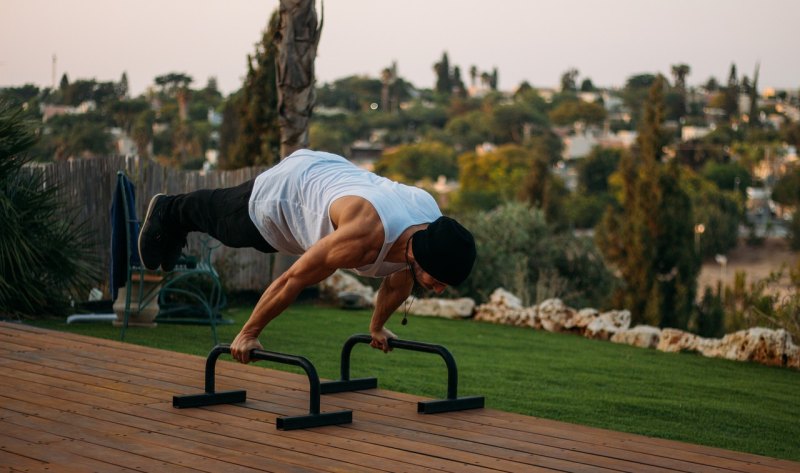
760	345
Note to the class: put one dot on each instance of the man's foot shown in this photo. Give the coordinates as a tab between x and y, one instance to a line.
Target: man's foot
158	245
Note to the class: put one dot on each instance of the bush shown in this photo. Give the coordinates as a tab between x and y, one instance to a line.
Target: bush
772	302
517	250
44	258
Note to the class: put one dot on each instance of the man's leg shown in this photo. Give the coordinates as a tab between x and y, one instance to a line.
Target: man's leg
221	213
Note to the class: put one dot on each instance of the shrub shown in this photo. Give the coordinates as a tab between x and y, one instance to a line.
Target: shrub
517	250
44	257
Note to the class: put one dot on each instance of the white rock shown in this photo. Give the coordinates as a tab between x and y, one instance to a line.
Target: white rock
607	324
504	298
554	315
643	336
581	320
347	290
437	307
674	340
762	345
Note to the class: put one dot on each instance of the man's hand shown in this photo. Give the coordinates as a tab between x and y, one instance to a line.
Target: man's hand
242	345
380	339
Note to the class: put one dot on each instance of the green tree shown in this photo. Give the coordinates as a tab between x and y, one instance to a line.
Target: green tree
635	93
75	136
509	122
787	192
584	208
730	176
595	169
23	96
679	72
541	188
571	111
142	132
469	129
587	85
258	141
356	93
787	188
425	160
230	130
519	251
45	256
64	83
122	88
569	80
444	85
649	237
752	92
124	112
719	211
790	133
490	178
731	96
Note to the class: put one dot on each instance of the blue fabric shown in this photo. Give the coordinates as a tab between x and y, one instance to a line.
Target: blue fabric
124	194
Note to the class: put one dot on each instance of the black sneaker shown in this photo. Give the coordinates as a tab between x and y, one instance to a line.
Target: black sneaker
158	244
172	250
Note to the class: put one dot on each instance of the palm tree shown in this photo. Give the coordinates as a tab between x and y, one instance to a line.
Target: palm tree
679	72
297	40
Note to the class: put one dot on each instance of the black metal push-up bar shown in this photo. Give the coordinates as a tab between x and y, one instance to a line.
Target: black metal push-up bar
452	403
313	419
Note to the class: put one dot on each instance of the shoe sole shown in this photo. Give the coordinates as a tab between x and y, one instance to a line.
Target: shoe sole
144	224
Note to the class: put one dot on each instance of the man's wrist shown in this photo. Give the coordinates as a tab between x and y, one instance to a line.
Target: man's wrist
252	332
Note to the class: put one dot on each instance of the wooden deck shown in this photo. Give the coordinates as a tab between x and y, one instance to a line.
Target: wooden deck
72	403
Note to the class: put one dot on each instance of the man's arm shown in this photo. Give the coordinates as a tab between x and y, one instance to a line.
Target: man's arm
344	248
394	290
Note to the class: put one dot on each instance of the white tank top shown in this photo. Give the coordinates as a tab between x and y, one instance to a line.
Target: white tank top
290	204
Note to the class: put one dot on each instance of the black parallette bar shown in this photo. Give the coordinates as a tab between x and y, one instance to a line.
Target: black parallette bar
313	419
452	403
209	399
316	420
449	405
359	384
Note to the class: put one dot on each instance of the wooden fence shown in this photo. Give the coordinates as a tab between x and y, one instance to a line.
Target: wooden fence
87	185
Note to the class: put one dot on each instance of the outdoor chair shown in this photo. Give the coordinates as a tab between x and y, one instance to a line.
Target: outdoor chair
191	293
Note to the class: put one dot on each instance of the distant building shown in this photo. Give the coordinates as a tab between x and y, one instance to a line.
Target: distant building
365	154
579	144
49	110
123	143
689	133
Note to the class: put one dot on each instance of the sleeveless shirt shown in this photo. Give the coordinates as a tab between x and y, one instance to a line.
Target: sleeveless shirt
290	204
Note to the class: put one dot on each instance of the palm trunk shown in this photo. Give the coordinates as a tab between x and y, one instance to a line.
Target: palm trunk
297	41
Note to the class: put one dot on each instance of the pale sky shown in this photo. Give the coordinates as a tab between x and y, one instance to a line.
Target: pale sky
533	40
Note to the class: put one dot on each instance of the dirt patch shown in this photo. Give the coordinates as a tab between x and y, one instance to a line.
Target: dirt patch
756	261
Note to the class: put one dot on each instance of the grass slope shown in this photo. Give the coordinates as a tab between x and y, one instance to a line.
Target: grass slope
738	406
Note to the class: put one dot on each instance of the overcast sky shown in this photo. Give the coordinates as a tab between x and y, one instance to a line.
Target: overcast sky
533	40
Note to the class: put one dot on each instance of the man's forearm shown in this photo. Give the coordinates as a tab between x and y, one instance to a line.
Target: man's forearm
275	299
392	293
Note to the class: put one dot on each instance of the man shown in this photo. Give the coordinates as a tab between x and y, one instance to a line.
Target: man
336	215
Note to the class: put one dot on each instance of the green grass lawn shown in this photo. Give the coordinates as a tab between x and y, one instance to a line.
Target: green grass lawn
738	406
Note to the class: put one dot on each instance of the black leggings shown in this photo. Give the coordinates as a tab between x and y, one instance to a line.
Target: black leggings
221	213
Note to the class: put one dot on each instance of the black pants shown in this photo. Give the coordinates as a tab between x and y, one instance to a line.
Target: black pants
221	213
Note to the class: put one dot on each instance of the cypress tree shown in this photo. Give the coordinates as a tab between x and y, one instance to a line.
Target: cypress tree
444	85
259	134
648	237
731	103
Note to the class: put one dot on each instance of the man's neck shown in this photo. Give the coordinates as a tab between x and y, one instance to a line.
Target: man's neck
397	253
